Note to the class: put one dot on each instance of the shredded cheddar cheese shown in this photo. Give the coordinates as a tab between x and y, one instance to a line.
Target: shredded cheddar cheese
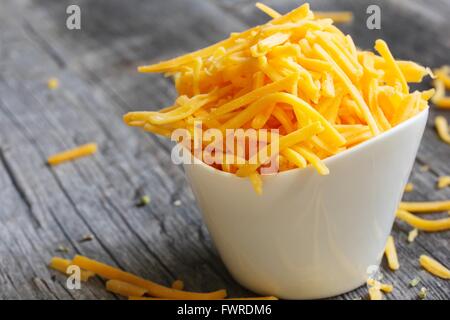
443	182
412	235
441	83
409	187
424	207
434	267
153	289
423	224
124	289
178	285
387	288
442	128
443	74
295	71
134	287
81	151
336	16
375	293
391	254
61	265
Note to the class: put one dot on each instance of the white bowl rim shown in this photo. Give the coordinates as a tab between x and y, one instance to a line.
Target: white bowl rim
329	160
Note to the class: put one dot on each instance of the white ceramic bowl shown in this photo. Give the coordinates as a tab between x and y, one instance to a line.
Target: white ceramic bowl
310	236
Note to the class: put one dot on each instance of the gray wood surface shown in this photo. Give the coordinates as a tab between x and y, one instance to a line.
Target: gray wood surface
42	208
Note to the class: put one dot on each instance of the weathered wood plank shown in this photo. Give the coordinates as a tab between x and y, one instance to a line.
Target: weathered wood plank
96	67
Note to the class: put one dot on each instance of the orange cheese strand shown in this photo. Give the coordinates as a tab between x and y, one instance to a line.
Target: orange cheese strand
294	70
81	151
443	74
375	293
267	10
424	224
443	182
61	265
336	16
152	288
391	254
423	207
124	289
442	128
434	267
387	288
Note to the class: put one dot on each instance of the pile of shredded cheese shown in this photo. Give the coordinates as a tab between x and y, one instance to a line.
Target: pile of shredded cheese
297	73
131	286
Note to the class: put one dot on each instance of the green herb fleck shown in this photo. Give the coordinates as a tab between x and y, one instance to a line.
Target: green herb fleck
62	248
414	282
423	293
143	201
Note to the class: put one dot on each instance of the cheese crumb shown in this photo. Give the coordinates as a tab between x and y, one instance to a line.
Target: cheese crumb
412	235
443	182
53	83
409	187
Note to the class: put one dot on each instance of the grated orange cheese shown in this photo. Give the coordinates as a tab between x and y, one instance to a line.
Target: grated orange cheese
442	128
423	224
124	289
423	207
434	267
391	254
409	187
387	288
412	235
375	293
61	265
295	70
441	82
78	152
152	288
443	182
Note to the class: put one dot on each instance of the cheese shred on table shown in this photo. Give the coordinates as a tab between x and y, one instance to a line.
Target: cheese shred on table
443	182
62	265
153	289
295	71
134	287
442	128
423	224
434	267
391	254
424	207
409	187
124	288
78	152
441	83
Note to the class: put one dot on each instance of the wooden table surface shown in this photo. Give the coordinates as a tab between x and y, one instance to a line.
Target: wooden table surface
43	208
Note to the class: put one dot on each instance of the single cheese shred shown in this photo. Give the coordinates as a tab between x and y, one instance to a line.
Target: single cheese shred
391	254
434	267
78	152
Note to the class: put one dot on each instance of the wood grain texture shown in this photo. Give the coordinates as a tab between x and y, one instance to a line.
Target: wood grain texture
43	208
